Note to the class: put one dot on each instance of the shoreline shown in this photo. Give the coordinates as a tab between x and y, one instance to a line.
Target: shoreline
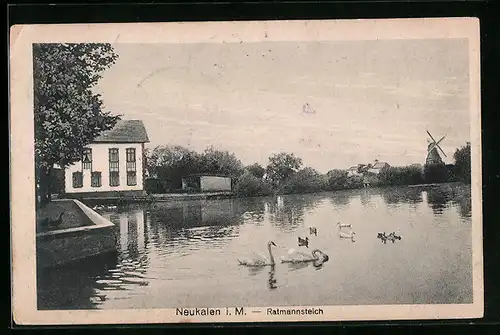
221	195
160	197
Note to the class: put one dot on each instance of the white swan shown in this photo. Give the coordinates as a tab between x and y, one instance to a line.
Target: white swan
259	259
298	257
344	225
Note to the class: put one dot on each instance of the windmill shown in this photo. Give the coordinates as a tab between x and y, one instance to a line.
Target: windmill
433	156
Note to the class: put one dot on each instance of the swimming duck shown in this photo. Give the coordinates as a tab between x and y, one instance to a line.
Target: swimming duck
313	230
393	237
346	235
303	242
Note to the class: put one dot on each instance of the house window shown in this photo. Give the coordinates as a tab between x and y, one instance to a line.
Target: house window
131	159
131	167
87	159
114	167
77	179
95	179
131	178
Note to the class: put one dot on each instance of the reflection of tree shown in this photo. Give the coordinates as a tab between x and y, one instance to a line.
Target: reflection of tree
465	206
223	212
210	235
194	220
437	198
460	195
287	211
402	195
70	286
340	198
200	213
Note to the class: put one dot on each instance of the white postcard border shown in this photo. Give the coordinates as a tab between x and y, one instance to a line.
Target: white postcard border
22	155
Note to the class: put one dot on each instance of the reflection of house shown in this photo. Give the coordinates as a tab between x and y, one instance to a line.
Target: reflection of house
203	182
377	167
369	179
113	162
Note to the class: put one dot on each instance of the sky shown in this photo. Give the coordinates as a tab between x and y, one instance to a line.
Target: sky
366	99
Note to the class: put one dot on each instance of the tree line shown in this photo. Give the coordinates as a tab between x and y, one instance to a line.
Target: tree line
285	173
69	115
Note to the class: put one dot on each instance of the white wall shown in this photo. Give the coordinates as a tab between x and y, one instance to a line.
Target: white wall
351	173
210	183
376	171
100	163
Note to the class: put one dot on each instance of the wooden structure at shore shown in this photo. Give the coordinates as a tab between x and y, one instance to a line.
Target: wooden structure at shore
158	198
89	235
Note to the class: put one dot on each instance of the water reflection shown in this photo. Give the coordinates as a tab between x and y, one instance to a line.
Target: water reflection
340	199
402	195
195	224
254	209
437	200
272	280
167	249
287	212
72	286
442	197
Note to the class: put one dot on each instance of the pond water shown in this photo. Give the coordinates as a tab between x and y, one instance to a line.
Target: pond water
184	253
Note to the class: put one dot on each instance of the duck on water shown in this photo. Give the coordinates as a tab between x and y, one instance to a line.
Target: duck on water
303	242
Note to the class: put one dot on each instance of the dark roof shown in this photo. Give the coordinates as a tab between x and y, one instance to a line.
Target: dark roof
125	131
206	175
379	165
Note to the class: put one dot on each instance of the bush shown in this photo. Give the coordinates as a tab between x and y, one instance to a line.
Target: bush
337	179
154	186
436	173
304	181
354	182
405	175
462	158
256	170
249	185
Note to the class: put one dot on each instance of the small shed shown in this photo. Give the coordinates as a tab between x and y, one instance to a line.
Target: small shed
206	183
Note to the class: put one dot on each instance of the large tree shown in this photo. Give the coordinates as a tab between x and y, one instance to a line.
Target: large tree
257	170
68	114
305	180
281	166
463	162
215	161
172	162
337	179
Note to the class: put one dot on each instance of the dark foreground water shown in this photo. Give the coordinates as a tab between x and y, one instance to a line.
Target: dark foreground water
184	254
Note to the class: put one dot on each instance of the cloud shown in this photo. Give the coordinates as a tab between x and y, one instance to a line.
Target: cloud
371	98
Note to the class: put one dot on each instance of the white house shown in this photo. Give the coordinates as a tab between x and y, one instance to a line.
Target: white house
113	163
353	171
377	166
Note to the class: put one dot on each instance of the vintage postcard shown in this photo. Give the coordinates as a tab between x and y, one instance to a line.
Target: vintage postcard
266	171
